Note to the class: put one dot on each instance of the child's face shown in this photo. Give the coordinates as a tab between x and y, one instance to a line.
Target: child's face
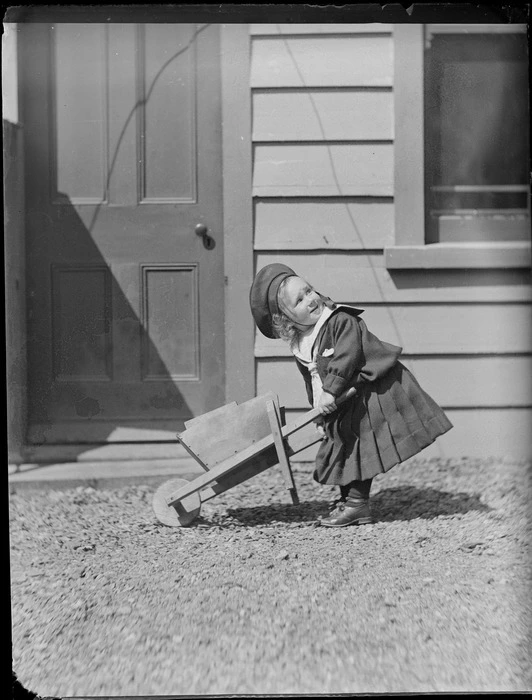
301	302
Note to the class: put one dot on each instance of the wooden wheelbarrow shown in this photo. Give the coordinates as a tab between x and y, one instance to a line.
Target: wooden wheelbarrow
232	444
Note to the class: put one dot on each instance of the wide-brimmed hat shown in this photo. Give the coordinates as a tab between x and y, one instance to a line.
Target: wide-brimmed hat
263	295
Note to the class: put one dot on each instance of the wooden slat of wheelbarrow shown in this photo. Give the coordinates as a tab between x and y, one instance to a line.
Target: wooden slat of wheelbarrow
220	469
235	461
294	443
260	463
225	432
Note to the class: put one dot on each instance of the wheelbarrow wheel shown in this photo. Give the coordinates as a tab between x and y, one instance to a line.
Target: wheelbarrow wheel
180	515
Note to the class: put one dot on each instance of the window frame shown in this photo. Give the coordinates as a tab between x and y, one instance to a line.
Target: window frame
411	250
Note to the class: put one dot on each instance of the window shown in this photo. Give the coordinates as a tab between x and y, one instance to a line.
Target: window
461	143
476	136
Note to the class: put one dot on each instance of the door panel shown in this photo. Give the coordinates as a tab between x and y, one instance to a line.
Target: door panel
81	303
78	108
170	294
123	159
169	158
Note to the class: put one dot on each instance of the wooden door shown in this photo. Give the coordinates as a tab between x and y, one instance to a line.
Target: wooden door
122	131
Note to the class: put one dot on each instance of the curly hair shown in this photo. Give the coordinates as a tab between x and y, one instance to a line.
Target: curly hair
282	325
285	328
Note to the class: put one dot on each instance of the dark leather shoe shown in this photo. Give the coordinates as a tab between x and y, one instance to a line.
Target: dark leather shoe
349	513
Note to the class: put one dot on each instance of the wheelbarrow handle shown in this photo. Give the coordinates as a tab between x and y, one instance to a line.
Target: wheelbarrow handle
315	413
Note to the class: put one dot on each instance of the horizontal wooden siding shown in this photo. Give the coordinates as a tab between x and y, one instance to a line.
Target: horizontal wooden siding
323	185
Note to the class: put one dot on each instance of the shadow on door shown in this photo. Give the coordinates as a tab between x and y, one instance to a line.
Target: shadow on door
106	378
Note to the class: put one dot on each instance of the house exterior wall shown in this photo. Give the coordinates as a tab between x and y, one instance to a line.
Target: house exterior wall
15	294
14	250
323	194
308	115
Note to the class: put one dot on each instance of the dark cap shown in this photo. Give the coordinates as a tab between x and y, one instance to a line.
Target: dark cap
263	295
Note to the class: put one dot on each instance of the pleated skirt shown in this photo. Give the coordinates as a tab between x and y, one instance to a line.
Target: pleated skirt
388	421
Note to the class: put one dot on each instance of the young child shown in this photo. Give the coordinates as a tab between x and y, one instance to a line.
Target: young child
390	417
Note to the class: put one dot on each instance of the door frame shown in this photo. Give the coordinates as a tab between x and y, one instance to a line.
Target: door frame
237	219
237	210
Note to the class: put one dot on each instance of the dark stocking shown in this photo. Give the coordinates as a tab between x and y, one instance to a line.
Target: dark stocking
356	490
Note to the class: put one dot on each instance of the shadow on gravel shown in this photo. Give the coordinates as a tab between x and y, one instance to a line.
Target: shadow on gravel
401	503
409	502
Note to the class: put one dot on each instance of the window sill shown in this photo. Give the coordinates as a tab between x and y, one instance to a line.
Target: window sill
515	254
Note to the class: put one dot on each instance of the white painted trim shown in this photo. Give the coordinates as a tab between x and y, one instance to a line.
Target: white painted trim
237	211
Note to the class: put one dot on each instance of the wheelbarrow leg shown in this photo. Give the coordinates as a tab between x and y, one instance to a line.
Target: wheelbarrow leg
276	428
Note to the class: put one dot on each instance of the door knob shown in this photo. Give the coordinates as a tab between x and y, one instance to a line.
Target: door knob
208	241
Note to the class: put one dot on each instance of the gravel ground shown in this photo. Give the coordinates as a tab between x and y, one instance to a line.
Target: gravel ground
253	598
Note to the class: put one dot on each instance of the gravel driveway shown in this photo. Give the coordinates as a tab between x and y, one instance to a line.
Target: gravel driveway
254	598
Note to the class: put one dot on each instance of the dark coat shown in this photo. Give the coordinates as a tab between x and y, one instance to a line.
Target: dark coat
390	418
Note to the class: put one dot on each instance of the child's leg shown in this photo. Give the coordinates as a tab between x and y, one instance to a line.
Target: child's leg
344	491
357	490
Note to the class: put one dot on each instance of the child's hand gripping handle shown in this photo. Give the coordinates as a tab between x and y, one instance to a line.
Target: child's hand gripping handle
315	412
328	403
